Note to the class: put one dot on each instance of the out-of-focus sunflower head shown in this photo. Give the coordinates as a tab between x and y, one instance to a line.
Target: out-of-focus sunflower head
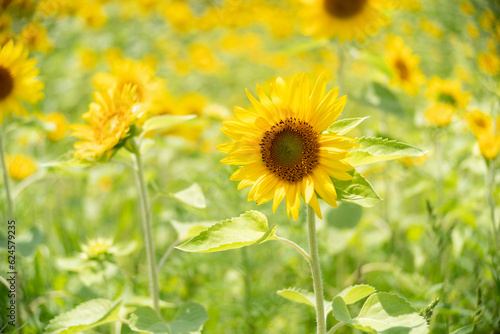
58	126
87	58
404	65
98	249
110	118
439	114
431	28
472	30
17	80
20	166
479	122
489	145
34	36
414	161
467	8
447	92
179	15
346	20
5	24
203	58
92	13
489	63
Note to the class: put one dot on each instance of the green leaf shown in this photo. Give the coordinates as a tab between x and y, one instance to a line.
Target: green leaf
379	97
376	61
85	316
345	125
188	230
145	320
373	150
192	196
189	319
340	310
358	190
250	228
382	313
298	296
28	242
354	293
164	122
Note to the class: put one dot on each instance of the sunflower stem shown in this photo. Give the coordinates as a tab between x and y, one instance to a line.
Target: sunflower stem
6	179
297	247
147	225
316	271
490	185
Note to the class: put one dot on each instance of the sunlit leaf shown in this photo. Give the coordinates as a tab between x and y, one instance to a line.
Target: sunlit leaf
358	191
85	316
354	293
188	230
379	97
345	125
382	313
189	320
298	296
192	196
373	150
250	228
164	122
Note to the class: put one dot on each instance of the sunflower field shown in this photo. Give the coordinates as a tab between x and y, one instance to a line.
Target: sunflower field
250	166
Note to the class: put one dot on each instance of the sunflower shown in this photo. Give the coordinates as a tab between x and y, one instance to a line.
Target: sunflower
17	80
489	62
58	124
110	118
404	64
20	166
447	92
136	73
482	127
345	19
282	148
439	114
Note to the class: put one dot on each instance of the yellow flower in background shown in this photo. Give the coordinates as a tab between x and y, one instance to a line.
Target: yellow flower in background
91	13
447	92
404	64
487	20
489	63
110	118
97	249
5	24
431	28
34	36
414	161
282	148
488	138
347	20
467	8
126	72
439	114
179	15
59	126
17	80
88	58
472	30
20	166
203	58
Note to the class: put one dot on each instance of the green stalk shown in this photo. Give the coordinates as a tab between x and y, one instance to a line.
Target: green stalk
6	179
490	185
147	226
316	271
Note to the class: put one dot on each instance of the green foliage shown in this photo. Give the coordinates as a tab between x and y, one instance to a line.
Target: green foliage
358	191
373	150
379	97
250	228
164	123
189	320
85	316
382	313
354	293
192	196
343	126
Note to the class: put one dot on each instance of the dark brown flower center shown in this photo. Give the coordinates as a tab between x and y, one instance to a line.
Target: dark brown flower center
6	83
290	149
344	9
402	69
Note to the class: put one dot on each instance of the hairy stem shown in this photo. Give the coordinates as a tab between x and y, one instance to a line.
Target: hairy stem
334	328
316	271
147	225
297	247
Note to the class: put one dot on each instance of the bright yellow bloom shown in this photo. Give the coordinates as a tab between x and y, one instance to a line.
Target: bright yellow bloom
489	62
17	80
282	148
202	57
110	118
487	20
431	28
404	64
179	15
481	126
92	13
346	20
34	36
439	114
136	73
20	166
447	92
59	126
